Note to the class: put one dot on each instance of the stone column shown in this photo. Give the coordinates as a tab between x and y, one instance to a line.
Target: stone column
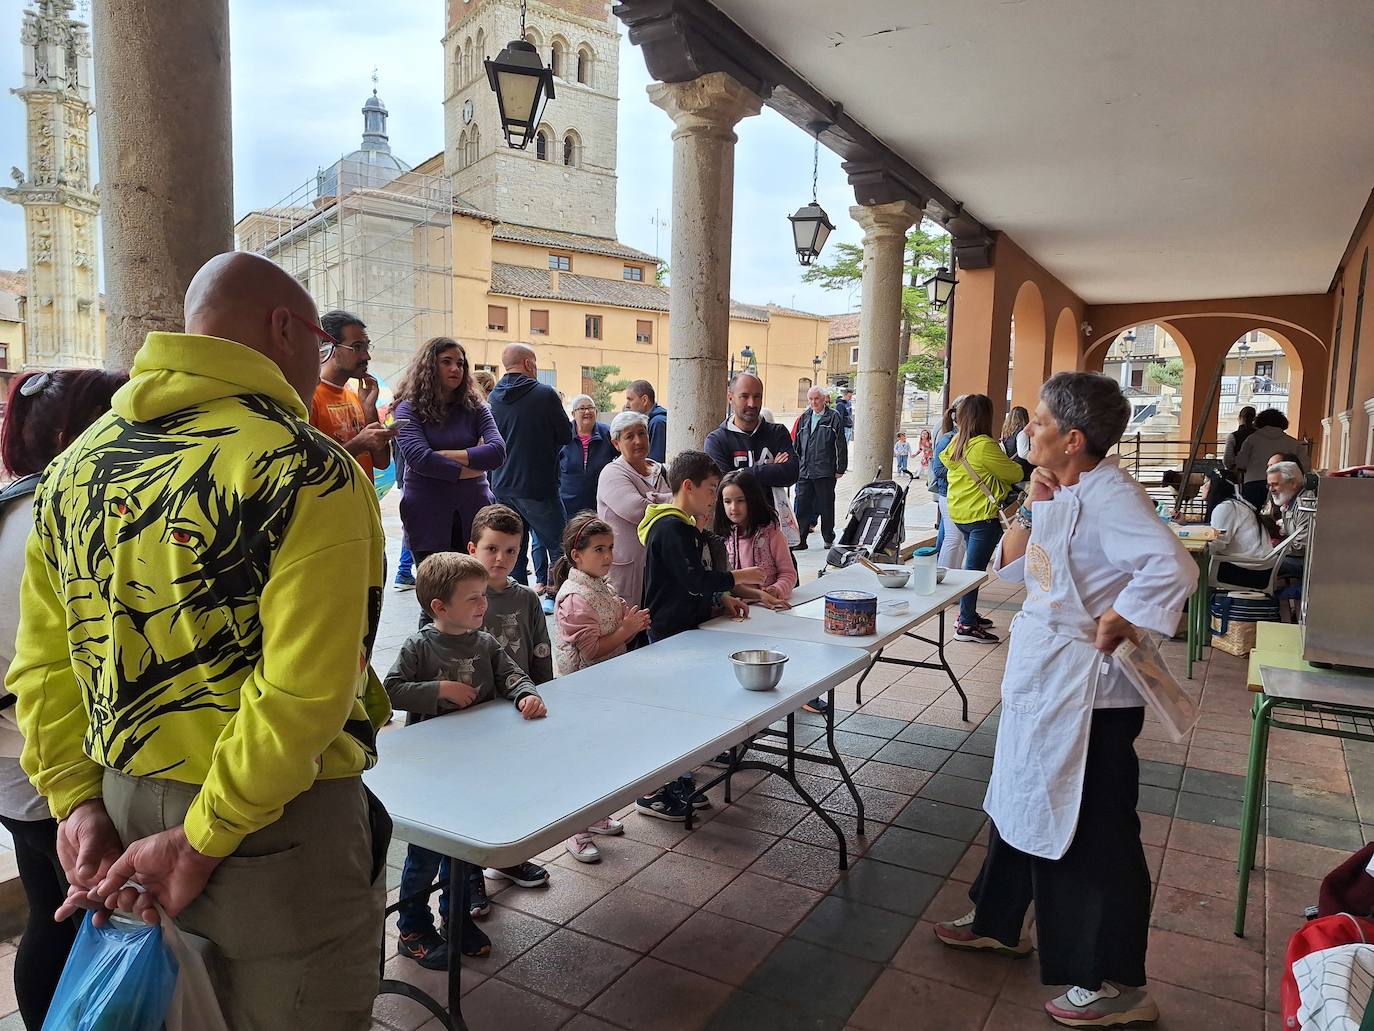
876	411
162	79
704	112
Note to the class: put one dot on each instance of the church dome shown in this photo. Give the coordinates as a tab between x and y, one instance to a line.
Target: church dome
372	165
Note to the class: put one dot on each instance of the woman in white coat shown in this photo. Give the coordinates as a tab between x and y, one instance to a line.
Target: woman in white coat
1099	566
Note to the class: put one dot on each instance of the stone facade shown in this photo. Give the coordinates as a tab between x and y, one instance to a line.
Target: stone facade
578	39
62	307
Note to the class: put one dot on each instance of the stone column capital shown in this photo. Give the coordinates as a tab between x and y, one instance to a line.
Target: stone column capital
879	221
710	105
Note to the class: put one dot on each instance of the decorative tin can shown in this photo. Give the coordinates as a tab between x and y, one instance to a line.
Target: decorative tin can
851	613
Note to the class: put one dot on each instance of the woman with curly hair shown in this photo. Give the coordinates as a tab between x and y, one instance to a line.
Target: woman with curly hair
450	443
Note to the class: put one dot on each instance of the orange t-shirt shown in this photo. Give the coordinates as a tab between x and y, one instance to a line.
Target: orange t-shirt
338	411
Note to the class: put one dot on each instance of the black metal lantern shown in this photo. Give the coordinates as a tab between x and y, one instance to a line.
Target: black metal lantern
811	226
940	287
748	355
522	86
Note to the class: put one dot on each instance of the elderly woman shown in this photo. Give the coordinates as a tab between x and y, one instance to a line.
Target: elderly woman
627	486
1098	567
582	458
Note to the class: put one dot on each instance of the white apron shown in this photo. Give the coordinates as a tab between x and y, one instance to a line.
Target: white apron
1048	692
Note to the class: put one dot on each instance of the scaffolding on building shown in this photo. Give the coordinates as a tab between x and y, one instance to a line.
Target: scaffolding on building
383	252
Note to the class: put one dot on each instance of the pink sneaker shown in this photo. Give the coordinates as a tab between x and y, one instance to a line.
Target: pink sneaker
610	826
582	848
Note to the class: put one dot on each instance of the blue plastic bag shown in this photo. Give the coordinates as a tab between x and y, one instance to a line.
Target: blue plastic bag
119	977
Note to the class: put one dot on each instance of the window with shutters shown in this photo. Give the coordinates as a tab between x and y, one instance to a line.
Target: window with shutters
593	327
644	331
496	318
539	322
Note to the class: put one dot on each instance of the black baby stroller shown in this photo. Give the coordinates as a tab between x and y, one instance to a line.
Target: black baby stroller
876	526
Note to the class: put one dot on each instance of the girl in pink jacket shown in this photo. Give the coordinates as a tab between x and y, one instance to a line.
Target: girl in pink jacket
745	517
594	623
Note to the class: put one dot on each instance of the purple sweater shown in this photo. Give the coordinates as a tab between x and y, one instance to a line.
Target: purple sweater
433	491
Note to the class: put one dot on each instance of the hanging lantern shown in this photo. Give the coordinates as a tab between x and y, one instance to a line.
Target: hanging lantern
811	226
940	287
522	86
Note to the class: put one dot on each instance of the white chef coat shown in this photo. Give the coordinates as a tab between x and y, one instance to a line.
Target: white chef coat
1121	556
1098	544
1245	539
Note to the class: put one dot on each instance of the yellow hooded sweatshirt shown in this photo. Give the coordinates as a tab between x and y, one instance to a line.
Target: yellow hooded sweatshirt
200	597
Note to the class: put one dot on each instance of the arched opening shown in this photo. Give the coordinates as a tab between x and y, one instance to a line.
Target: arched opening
1065	350
458	79
1263	370
572	150
467	60
463	150
584	65
1154	367
558	57
533	38
479	53
474	144
1029	357
541	145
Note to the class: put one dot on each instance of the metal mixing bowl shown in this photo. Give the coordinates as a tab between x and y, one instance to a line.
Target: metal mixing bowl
758	669
894	577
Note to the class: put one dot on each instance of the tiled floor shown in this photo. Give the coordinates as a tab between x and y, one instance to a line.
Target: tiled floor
746	923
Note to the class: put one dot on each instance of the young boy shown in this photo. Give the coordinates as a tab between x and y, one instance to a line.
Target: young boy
682	590
451	664
516	619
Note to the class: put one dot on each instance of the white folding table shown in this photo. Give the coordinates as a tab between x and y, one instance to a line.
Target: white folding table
805	620
449	786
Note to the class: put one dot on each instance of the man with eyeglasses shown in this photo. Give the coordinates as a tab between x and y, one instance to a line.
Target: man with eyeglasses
350	416
192	668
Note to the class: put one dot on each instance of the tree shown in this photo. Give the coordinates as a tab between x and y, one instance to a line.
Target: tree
1166	374
923	329
603	386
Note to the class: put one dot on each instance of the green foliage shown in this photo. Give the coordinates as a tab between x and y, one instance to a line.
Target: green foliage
1168	373
925	366
661	274
603	386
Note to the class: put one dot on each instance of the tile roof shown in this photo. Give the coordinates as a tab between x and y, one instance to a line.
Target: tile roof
522	281
844	327
568	241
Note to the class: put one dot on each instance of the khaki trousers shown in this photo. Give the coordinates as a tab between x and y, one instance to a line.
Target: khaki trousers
294	917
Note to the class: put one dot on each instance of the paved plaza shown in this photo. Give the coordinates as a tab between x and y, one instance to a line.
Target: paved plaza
746	923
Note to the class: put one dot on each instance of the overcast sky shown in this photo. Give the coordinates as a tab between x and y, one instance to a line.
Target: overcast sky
302	68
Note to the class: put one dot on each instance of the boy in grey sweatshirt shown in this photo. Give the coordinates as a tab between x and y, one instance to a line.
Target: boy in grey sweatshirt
452	664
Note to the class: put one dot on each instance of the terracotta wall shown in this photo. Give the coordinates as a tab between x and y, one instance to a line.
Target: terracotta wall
1348	390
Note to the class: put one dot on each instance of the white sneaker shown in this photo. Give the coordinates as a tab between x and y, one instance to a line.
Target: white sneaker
608	826
1108	1006
582	848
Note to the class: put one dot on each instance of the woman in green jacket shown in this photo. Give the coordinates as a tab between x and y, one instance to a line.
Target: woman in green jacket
974	455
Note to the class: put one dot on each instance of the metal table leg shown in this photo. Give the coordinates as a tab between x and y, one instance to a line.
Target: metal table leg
457	892
1250	811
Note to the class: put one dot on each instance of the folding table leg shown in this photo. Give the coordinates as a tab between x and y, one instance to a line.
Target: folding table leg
844	770
963	698
1250	808
859	687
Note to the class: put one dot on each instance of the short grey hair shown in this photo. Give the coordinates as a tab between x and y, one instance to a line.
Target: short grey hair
1289	472
1091	403
624	420
582	397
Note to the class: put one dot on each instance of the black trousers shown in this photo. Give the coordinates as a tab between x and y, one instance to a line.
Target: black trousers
816	500
457	542
1092	906
43	948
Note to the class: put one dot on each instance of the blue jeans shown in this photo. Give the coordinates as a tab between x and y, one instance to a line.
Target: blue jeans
980	541
417	874
544	522
407	565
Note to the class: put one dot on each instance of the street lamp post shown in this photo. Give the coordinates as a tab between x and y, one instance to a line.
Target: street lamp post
522	86
816	364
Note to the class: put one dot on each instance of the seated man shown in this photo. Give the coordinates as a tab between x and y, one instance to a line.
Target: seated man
1295	503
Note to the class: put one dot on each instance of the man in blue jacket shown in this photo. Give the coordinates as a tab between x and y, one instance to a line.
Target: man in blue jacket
535	427
639	397
745	441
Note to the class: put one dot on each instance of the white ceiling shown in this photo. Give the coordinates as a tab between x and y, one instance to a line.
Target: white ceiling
1138	149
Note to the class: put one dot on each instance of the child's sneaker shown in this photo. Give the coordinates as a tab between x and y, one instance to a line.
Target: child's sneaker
663	804
479	905
686	788
582	848
404	582
609	826
1108	1006
475	943
817	705
527	875
975	635
427	948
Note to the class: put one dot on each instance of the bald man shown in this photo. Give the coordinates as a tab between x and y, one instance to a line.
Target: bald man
534	426
192	677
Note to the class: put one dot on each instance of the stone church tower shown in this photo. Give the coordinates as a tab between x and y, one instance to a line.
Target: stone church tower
565	179
62	310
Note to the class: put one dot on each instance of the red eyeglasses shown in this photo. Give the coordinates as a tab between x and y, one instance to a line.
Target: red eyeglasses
327	340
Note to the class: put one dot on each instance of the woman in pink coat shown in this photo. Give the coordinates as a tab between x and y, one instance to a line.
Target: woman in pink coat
627	486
